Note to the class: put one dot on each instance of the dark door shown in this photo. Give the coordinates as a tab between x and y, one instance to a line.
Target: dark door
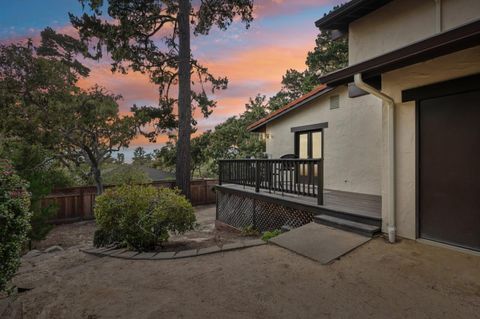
449	169
308	145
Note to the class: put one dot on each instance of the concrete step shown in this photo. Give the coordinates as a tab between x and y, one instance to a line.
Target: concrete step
348	225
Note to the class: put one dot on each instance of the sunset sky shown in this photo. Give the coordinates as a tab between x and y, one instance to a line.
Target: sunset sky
254	60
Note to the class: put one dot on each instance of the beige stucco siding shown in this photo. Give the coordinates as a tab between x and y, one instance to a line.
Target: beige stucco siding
452	66
403	22
352	141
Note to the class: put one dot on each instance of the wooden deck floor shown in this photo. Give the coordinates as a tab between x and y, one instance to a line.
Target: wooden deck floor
351	203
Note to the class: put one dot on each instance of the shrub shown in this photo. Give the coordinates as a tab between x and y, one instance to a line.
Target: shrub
102	237
14	221
270	234
141	216
250	231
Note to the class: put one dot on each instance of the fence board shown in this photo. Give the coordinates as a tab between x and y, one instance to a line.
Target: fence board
76	203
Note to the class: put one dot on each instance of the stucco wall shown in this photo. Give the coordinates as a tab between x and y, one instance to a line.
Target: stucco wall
403	22
452	66
352	141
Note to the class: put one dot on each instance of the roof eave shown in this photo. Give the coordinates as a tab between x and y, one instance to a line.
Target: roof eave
451	41
340	18
262	126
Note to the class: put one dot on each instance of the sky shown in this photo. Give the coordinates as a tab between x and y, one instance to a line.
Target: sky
253	59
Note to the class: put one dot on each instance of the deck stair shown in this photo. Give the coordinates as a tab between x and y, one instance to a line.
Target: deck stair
348	225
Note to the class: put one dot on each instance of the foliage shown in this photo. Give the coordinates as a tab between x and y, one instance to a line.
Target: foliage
228	140
14	220
125	174
97	131
270	234
328	55
153	37
140	156
231	139
31	89
43	105
34	164
142	216
250	231
103	237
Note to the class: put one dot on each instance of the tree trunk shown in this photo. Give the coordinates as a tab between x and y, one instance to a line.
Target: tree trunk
182	174
97	176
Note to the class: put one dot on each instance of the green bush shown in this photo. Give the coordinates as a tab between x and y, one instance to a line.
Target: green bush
250	231
141	216
270	234
102	237
14	221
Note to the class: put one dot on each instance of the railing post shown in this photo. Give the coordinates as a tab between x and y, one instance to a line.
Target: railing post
219	172
320	182
257	176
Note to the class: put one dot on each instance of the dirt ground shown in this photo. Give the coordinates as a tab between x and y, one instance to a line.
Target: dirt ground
39	269
204	235
377	280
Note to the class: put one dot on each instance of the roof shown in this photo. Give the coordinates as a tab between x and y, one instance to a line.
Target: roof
155	174
460	38
316	92
340	18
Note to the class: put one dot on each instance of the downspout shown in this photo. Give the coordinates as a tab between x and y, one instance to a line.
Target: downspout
390	107
438	16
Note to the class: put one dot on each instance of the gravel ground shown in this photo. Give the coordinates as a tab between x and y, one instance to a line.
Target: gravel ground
377	280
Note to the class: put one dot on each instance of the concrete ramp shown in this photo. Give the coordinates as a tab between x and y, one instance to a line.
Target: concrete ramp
319	242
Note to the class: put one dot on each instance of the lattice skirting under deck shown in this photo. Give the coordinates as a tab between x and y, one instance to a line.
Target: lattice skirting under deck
241	211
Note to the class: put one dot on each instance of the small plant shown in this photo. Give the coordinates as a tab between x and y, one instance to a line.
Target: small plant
270	234
250	231
141	217
103	237
14	221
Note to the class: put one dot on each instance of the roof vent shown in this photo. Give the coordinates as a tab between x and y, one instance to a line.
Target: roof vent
334	102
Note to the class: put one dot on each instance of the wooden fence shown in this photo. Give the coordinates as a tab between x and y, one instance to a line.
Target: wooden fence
76	203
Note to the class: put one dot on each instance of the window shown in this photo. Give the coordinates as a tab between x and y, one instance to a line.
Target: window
309	144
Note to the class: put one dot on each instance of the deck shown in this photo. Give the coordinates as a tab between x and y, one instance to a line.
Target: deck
353	204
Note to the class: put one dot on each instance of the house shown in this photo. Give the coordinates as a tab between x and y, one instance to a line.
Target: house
419	63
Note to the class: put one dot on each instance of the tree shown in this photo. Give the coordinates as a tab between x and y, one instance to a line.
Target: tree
153	37
231	138
35	164
14	221
92	129
228	140
140	156
166	157
120	158
328	55
32	87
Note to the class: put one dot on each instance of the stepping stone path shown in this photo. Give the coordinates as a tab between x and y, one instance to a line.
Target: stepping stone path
134	255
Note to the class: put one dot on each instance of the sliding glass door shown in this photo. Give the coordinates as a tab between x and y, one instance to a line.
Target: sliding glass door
308	145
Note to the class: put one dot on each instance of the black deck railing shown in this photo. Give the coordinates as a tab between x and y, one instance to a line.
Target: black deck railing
292	176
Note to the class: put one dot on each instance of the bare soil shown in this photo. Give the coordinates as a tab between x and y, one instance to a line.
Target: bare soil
35	270
204	235
377	280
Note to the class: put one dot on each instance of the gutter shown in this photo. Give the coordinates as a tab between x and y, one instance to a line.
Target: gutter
390	165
